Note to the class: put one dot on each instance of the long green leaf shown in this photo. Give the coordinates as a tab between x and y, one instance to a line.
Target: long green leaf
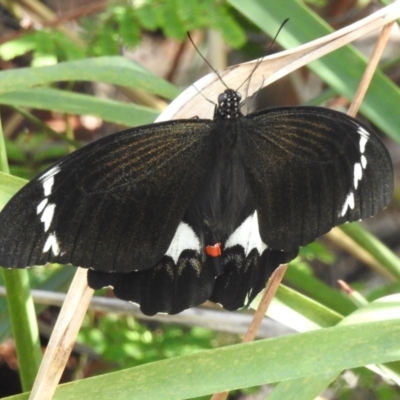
115	70
300	312
244	365
75	103
22	314
376	248
304	388
310	387
319	290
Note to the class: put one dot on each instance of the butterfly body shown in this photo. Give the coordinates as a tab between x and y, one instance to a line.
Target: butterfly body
175	213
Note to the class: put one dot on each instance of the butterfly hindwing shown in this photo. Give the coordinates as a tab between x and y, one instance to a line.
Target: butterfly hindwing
311	169
171	286
113	205
247	264
183	278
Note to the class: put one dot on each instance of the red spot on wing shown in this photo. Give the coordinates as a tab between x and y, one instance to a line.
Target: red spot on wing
214	250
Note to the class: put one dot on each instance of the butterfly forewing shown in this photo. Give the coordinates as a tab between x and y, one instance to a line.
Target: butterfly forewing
113	205
311	169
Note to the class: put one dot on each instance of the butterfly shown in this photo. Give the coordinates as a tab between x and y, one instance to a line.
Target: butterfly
175	213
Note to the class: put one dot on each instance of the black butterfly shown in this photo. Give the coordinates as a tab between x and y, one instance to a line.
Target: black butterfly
175	213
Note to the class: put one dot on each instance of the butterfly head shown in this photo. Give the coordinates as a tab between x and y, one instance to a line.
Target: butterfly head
229	103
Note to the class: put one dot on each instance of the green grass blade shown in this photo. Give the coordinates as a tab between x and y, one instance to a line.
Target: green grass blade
75	103
24	325
310	387
45	128
245	365
318	290
304	388
372	245
114	70
300	312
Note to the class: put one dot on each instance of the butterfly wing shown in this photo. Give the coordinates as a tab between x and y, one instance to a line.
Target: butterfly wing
113	205
247	264
171	286
311	169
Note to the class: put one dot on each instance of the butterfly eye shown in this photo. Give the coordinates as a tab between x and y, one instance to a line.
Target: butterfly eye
238	96
221	98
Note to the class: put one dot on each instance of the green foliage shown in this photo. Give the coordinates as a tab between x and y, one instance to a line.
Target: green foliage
47	47
363	383
121	25
124	342
30	154
317	3
317	251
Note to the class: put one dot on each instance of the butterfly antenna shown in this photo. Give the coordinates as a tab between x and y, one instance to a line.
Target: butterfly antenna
205	60
254	97
204	97
259	61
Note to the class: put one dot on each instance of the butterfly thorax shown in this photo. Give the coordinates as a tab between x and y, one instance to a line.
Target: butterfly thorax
229	104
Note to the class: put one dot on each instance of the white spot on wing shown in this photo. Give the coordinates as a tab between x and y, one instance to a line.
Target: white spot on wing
41	206
357	174
47	216
248	236
349	203
363	161
364	136
184	239
358	170
51	172
47	186
52	244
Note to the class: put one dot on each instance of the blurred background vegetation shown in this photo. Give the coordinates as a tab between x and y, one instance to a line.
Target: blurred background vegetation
42	123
